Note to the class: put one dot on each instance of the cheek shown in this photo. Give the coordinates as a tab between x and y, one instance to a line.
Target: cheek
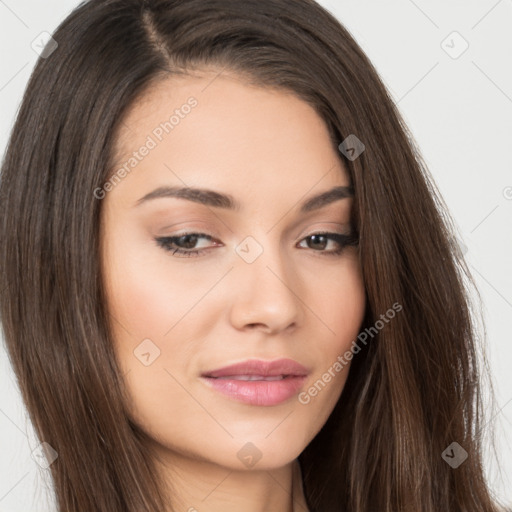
144	294
341	302
152	333
143	305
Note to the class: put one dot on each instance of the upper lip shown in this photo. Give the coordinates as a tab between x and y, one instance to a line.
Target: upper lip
284	367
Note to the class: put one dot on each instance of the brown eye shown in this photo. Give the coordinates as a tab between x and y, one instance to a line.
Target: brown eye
184	244
319	241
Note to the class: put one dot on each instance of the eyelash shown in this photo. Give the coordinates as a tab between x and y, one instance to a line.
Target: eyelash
166	243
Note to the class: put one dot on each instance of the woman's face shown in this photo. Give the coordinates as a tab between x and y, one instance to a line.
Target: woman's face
253	283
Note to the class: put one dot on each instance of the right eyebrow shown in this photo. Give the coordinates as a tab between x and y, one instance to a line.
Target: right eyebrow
198	195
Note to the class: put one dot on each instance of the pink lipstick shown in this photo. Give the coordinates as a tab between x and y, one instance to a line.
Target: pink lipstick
258	382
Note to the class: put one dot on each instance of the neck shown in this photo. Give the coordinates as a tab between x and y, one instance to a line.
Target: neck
201	486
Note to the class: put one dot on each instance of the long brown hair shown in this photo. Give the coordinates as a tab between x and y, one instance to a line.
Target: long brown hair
412	390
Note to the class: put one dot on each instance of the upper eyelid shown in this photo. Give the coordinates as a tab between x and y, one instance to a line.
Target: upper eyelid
208	232
318	231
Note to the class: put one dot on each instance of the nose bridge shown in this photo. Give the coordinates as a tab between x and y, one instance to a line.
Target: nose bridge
262	259
265	285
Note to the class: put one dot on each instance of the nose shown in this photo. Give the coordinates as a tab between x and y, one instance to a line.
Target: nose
266	294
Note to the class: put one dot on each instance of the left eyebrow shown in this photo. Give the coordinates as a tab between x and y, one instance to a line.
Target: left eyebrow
218	200
325	198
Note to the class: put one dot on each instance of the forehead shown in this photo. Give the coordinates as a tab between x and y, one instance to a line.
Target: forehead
211	129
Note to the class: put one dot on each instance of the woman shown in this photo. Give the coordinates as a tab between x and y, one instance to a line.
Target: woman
229	282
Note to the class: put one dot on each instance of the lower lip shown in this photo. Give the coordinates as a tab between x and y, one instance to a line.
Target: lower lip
258	392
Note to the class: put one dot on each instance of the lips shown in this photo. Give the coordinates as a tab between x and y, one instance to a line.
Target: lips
260	370
252	377
255	382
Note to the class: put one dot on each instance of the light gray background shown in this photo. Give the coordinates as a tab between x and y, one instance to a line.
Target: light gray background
460	112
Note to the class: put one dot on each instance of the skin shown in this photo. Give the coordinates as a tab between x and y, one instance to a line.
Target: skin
270	151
